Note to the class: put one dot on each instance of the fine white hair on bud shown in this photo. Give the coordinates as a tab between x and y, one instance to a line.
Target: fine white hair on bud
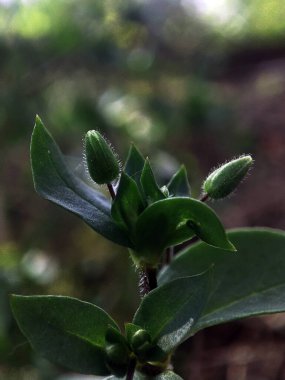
224	180
102	163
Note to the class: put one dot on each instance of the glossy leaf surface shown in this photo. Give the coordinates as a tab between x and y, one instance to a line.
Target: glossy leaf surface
250	282
179	184
166	222
65	330
54	181
169	313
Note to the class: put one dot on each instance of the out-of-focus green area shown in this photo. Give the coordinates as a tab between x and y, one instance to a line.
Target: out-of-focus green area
190	81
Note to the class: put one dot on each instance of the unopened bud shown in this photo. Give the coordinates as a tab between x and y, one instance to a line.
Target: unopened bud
141	341
222	181
117	354
102	163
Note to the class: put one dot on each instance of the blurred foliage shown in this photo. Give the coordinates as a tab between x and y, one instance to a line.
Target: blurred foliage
202	80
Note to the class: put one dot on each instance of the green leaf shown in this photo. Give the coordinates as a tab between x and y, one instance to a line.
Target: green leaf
128	203
167	375
179	184
134	165
113	335
65	330
251	282
174	220
54	181
151	189
170	312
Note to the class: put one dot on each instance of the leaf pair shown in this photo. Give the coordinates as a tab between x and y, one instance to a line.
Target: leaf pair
72	333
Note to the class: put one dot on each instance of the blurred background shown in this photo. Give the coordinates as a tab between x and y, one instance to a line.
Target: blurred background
189	81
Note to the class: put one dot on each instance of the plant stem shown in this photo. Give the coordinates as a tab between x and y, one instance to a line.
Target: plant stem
143	282
169	255
204	197
193	240
147	280
178	248
131	370
111	190
152	280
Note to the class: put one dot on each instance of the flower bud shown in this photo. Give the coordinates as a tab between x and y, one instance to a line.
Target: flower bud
141	341
102	163
222	181
118	370
117	354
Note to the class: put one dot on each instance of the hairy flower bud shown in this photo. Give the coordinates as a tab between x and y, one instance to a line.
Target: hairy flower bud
222	181
102	163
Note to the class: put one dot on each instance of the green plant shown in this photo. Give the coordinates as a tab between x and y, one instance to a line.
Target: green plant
205	284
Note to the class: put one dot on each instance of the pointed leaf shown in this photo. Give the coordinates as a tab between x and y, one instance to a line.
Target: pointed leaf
54	181
170	312
179	184
174	220
128	203
151	189
134	165
251	282
65	330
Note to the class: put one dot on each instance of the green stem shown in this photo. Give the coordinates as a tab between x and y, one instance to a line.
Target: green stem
152	280
111	190
204	197
147	280
143	282
131	370
169	254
